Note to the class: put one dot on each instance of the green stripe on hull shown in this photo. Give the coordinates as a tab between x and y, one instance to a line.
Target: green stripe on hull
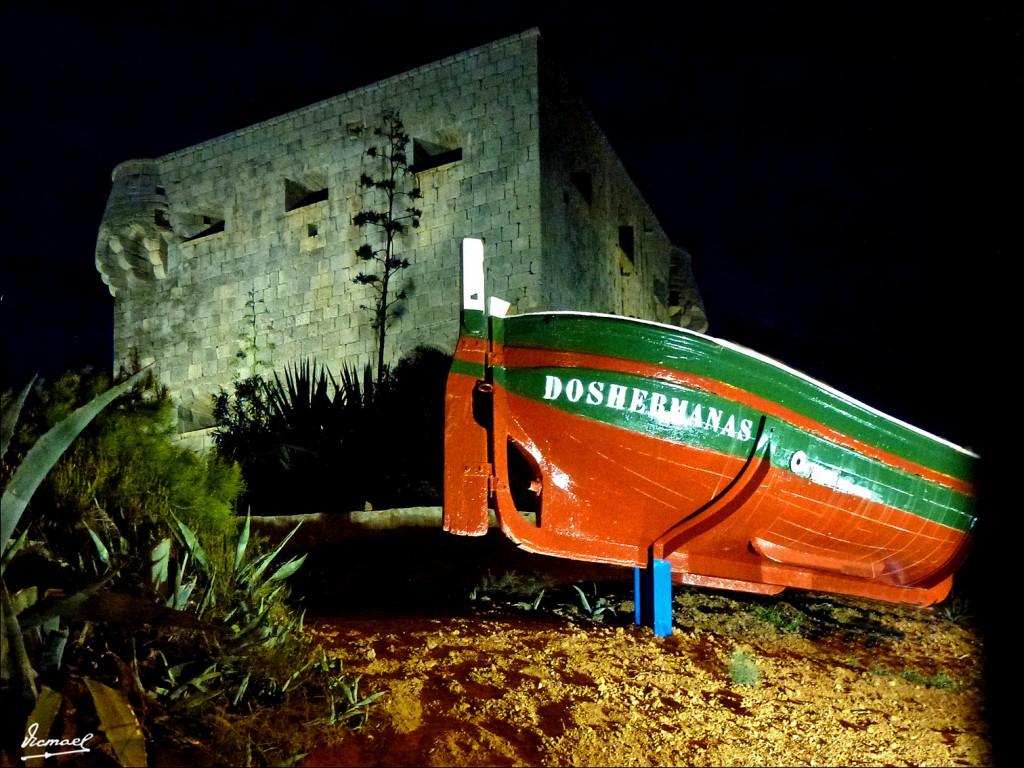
467	368
677	350
710	422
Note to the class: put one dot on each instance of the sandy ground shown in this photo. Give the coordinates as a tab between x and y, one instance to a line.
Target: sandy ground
489	656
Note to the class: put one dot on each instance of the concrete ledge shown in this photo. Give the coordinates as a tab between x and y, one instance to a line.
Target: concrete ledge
323	528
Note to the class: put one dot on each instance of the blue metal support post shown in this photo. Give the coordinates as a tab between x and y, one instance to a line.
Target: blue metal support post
652	592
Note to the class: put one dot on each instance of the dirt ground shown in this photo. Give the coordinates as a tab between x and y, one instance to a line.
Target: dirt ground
489	656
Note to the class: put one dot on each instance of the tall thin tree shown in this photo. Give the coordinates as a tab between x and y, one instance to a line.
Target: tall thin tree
395	211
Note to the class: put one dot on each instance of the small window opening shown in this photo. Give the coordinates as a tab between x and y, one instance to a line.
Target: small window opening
299	196
159	191
584	184
312	230
675	282
211	226
160	218
626	242
661	291
427	155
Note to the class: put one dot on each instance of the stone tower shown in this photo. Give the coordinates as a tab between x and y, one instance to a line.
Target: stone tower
252	233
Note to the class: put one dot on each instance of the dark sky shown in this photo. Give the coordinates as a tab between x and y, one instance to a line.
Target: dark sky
836	169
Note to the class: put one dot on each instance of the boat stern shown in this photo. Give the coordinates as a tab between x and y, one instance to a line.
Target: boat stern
467	469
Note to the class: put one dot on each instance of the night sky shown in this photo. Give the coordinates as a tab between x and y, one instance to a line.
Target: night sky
834	168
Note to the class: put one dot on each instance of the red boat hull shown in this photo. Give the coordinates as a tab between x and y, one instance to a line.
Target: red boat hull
598	493
692	459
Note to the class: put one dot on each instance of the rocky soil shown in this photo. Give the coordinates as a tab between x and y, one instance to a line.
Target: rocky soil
490	656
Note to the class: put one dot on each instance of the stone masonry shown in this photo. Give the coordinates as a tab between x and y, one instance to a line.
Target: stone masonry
251	232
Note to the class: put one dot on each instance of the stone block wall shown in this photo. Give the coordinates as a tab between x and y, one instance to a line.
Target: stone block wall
604	249
245	243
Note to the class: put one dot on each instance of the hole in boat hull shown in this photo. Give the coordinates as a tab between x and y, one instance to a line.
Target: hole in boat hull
525	483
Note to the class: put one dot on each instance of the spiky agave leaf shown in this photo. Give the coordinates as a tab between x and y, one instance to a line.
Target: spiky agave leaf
43	714
191	541
15	661
10	418
159	559
251	573
119	723
243	542
287	569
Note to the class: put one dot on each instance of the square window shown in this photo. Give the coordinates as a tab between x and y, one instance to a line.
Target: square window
427	155
626	242
299	196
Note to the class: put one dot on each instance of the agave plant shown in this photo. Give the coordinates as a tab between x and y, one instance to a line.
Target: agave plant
311	403
251	590
295	430
18	670
177	579
600	606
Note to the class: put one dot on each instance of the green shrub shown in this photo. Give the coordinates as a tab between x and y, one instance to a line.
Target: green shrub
125	472
743	668
782	616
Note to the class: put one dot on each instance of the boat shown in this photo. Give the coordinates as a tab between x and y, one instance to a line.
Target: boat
692	459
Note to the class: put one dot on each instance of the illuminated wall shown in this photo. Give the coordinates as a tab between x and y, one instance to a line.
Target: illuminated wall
259	221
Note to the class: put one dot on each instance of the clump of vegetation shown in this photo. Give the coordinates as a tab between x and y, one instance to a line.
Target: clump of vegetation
134	604
531	605
346	705
597	606
126	470
527	591
510	586
743	669
938	680
956	608
781	616
286	431
306	439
